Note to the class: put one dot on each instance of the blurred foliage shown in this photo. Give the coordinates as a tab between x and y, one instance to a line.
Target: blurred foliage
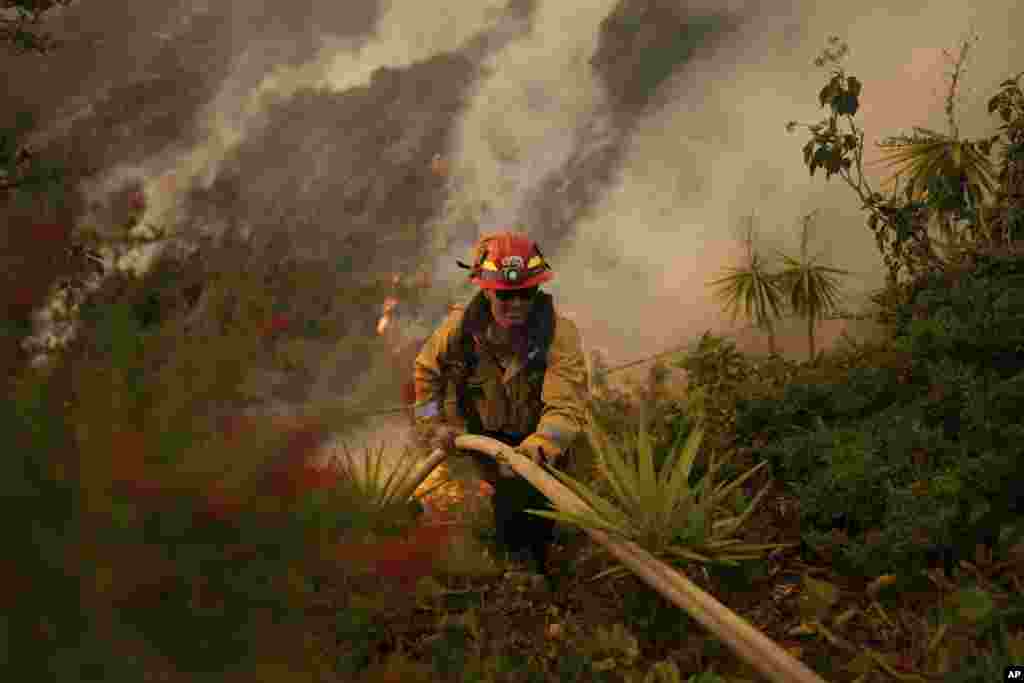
24	175
20	27
156	504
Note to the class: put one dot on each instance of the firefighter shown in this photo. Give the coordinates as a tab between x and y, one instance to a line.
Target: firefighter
519	376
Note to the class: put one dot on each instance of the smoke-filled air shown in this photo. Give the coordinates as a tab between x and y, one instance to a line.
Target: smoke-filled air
328	121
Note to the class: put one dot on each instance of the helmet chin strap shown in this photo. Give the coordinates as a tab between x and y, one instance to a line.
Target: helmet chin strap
505	323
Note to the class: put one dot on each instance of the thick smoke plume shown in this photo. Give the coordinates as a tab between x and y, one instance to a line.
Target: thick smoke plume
321	118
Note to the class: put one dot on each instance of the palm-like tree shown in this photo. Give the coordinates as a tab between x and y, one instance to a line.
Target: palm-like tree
930	160
812	288
936	163
752	289
928	155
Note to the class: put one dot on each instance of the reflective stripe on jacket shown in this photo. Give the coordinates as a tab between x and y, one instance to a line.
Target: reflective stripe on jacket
550	406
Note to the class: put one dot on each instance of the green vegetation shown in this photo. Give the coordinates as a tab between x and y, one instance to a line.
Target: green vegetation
920	448
659	508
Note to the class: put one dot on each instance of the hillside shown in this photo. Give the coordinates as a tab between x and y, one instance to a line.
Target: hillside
245	217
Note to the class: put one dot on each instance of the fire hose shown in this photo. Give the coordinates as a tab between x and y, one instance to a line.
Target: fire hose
746	642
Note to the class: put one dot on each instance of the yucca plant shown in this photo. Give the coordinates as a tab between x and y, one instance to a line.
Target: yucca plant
375	484
752	289
661	511
813	288
391	539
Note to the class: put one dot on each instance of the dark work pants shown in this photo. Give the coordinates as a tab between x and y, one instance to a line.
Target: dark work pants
517	530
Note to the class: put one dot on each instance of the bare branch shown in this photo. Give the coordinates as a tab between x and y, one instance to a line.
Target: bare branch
959	67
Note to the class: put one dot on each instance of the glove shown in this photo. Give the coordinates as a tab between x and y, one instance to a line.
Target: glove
439	436
534	453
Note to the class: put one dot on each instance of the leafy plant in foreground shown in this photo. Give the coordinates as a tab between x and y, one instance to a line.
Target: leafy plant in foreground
371	485
661	510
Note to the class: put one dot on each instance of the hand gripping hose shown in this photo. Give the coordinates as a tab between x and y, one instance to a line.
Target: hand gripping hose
746	642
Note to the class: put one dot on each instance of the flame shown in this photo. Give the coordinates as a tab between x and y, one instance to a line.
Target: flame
439	166
386	314
440	495
423	280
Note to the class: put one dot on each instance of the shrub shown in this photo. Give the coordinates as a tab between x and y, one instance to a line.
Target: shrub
973	314
911	454
165	534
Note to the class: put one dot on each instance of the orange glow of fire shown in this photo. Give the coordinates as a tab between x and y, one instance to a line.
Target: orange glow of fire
439	166
385	319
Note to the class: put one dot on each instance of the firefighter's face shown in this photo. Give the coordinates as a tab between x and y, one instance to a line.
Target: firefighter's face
511	307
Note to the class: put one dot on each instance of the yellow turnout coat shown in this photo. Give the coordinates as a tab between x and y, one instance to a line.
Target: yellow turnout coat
548	405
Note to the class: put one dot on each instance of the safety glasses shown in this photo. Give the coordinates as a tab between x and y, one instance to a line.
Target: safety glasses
508	294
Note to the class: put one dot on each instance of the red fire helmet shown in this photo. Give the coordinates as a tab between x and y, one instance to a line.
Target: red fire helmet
507	260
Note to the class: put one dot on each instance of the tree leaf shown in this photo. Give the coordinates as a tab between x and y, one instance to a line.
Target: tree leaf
821	156
818	596
861	664
808	152
846	104
825	95
972	604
